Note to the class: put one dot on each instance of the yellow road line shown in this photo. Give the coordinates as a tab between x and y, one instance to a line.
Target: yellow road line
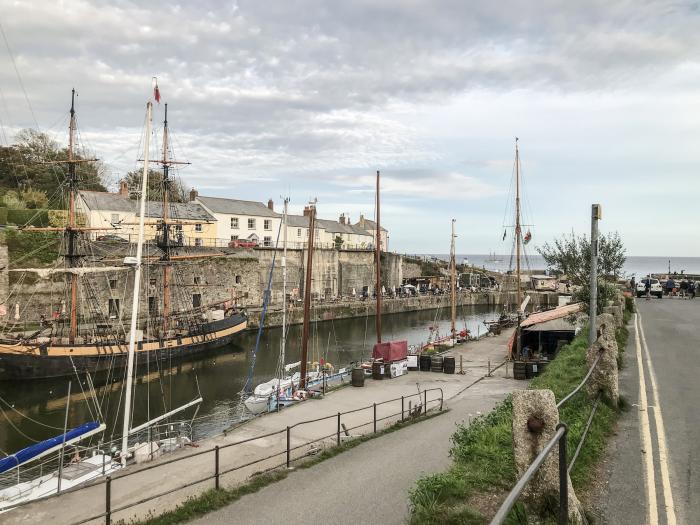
660	435
645	434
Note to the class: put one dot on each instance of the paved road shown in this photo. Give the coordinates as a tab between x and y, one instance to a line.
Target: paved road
367	484
653	469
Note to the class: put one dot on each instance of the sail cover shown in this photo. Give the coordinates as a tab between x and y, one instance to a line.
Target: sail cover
26	454
390	351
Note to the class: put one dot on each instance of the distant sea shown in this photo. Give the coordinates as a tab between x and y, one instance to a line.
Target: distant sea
635	265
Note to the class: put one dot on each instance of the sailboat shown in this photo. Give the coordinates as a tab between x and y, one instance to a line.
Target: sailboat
493	258
507	317
87	339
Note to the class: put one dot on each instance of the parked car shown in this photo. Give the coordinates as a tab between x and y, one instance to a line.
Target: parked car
242	243
654	289
111	238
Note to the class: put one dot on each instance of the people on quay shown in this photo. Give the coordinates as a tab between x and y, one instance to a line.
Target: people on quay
684	288
670	285
691	289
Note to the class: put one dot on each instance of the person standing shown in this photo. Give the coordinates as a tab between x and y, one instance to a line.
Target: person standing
670	285
632	286
691	289
647	286
684	288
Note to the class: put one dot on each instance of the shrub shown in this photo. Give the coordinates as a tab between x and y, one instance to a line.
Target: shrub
38	218
3	215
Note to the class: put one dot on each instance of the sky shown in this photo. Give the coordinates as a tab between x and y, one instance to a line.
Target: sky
309	98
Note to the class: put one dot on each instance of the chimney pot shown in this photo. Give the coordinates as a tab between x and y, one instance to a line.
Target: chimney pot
271	205
123	188
342	218
193	194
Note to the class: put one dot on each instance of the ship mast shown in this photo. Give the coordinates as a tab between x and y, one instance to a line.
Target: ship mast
518	230
378	286
307	297
166	227
453	281
71	232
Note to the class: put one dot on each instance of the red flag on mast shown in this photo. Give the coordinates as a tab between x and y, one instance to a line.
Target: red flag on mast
156	91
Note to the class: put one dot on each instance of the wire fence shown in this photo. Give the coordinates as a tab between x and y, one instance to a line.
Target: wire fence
558	440
310	435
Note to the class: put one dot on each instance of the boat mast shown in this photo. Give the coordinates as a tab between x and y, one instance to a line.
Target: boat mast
284	287
518	230
453	281
307	296
166	227
378	285
136	292
71	231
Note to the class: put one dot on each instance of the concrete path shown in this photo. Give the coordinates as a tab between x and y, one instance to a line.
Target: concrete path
370	483
73	507
653	470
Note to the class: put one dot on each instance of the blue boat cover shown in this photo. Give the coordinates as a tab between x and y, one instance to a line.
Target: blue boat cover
28	453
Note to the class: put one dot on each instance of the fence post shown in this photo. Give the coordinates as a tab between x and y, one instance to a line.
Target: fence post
374	417
425	401
108	501
338	438
402	409
563	478
216	467
288	446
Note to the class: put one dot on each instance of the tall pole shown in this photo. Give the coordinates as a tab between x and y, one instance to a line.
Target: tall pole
166	227
307	297
63	442
596	212
518	231
378	263
453	281
137	290
283	341
72	232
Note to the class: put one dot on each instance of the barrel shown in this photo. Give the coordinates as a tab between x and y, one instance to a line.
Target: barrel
377	370
358	377
387	370
436	363
530	369
542	366
424	363
449	365
519	370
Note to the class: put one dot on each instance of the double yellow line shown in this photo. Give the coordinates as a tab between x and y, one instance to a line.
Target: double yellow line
645	434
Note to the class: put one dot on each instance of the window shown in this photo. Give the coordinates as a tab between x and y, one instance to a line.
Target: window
198	242
298	232
267	241
196	279
234	223
251	224
178	227
115	219
196	300
238	279
113	307
112	284
198	227
267	224
152	306
234	237
152	281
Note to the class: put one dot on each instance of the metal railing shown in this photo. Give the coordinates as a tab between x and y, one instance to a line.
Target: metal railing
559	438
288	455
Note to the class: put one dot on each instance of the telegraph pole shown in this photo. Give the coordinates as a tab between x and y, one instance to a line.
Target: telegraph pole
596	215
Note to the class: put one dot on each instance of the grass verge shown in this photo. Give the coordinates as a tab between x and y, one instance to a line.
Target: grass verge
213	499
483	469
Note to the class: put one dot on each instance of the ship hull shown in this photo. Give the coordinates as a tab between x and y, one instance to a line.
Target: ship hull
33	362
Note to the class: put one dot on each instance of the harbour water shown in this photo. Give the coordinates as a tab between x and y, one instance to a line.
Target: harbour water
218	376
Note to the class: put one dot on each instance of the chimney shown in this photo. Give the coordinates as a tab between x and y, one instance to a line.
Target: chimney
342	219
193	194
123	188
271	205
307	211
361	222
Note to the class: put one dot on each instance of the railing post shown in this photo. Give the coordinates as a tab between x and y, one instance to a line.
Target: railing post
108	501
442	399
374	417
338	432
402	418
289	432
216	467
563	478
425	401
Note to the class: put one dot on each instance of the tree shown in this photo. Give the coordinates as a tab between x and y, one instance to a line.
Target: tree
338	242
33	163
571	255
155	186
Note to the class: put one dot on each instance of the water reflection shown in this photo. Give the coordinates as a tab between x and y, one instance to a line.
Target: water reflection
218	375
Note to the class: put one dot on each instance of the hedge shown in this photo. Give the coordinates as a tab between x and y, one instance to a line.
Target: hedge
3	215
37	218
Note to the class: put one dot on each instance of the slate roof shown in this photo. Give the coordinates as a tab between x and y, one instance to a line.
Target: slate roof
370	225
237	207
297	221
101	200
179	210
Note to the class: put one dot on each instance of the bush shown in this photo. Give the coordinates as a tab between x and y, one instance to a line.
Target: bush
3	215
38	218
25	248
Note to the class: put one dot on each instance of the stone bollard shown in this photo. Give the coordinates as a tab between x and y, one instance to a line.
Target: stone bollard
535	418
605	376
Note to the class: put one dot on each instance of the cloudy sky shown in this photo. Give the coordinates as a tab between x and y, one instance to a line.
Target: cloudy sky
310	98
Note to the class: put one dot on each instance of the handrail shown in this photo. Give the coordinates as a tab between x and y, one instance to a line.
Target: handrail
560	438
107	481
585	379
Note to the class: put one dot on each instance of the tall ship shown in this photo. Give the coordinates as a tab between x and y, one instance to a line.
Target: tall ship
87	333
